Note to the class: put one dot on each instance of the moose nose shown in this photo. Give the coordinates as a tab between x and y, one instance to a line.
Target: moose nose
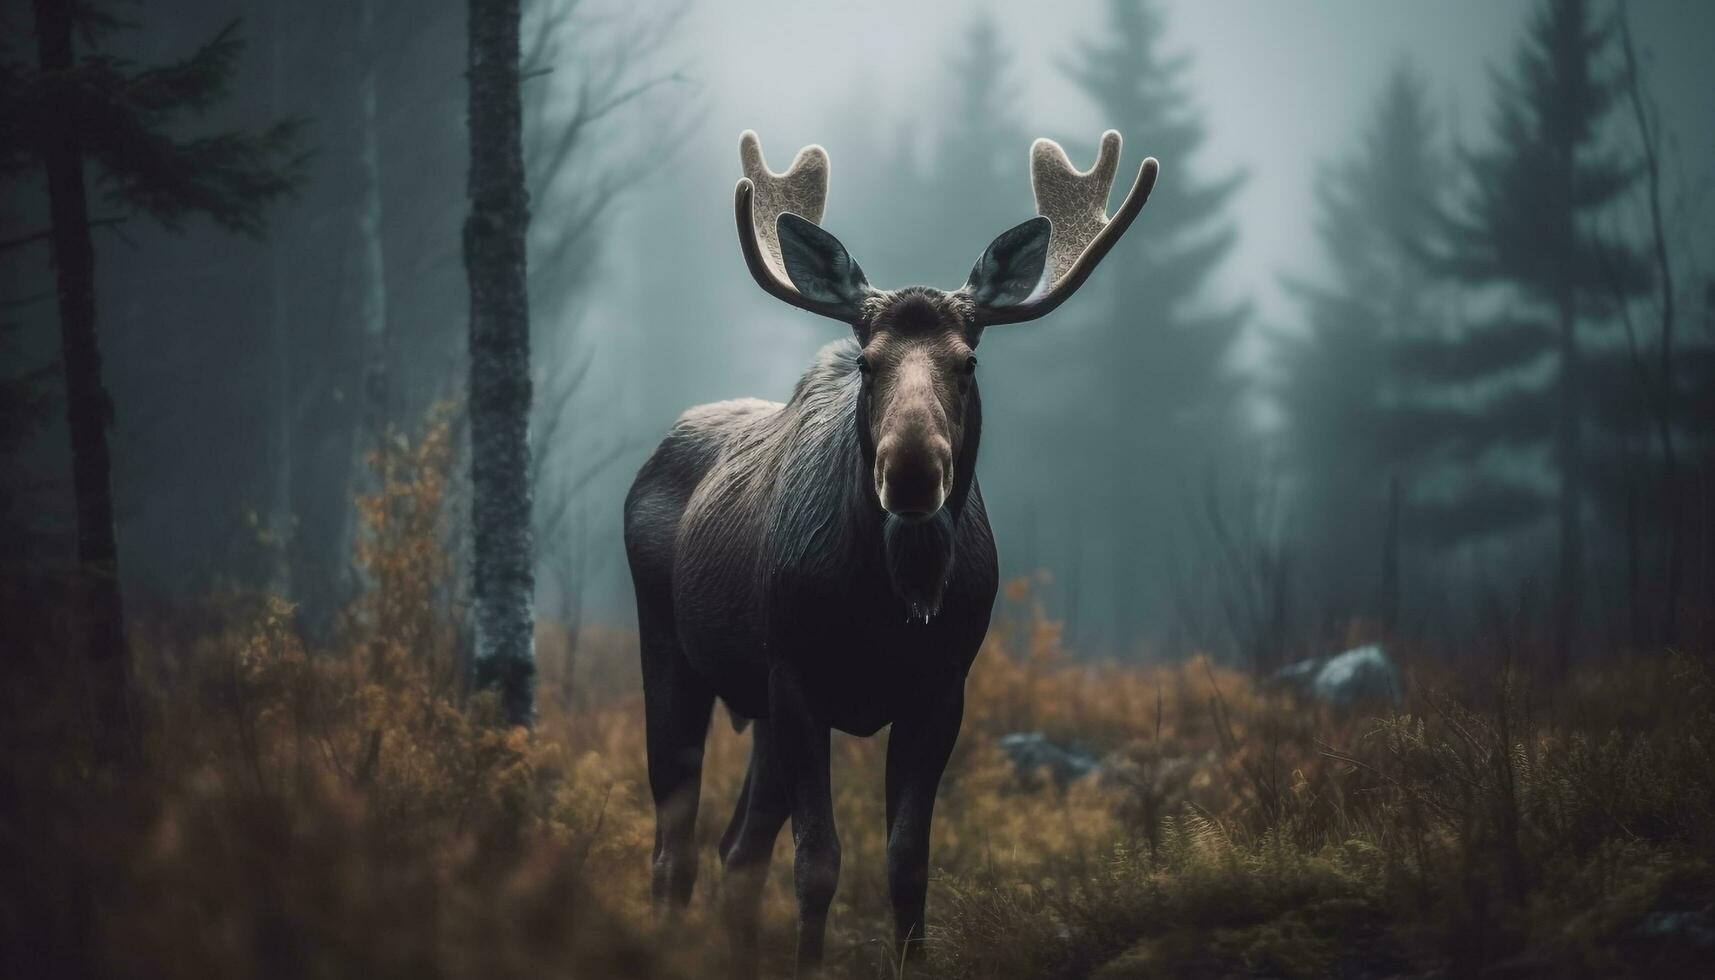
912	480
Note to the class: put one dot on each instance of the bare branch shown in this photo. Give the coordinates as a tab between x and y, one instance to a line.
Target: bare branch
559	391
43	234
598	465
30	299
39	235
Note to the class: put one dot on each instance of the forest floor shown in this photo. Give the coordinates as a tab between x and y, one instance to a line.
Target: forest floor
301	815
331	809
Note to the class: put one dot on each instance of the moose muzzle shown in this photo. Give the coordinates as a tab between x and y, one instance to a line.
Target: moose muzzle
913	475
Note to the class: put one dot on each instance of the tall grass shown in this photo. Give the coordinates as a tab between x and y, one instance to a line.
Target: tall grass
341	809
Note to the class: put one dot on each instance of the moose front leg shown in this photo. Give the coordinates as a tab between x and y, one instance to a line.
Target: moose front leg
800	739
917	751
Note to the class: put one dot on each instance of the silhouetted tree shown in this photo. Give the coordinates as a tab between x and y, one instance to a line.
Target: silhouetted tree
1159	345
1657	386
377	295
500	388
1341	383
75	109
582	159
25	406
1526	224
371	251
978	176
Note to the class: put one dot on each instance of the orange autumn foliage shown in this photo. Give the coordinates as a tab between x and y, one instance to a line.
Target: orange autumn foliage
340	807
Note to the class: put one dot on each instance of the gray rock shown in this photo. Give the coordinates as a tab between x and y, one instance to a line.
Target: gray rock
1362	676
1694	928
1033	753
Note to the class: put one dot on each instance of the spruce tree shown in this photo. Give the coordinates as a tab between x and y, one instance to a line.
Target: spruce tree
25	408
969	180
76	110
1167	403
1341	388
981	154
1527	224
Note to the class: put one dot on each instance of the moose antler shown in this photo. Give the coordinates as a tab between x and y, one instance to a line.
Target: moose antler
1076	204
761	198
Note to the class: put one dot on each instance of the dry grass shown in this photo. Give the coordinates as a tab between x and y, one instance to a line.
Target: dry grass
335	811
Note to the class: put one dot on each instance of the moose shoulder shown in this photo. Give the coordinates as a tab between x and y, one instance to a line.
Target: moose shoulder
778	517
827	562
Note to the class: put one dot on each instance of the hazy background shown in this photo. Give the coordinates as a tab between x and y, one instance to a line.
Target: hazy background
235	365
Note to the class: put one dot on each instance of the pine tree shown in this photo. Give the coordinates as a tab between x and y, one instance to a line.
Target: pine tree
1655	387
1159	345
970	179
980	155
1341	385
74	109
500	387
25	408
1526	224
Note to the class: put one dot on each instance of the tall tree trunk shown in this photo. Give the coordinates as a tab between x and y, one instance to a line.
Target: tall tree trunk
1634	597
494	237
1569	449
1568	428
280	508
372	256
1390	561
372	411
1648	138
89	411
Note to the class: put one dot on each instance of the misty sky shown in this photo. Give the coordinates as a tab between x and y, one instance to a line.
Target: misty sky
1281	86
671	318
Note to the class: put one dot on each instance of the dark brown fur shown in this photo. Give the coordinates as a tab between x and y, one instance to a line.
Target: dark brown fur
826	563
769	575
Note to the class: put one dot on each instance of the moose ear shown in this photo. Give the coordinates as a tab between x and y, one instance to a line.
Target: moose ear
818	264
1011	266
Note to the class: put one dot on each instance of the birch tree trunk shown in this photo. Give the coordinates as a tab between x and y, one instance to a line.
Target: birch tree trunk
89	411
494	236
280	505
372	410
372	256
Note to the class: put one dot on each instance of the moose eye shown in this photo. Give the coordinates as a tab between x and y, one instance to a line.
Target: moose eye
970	365
863	365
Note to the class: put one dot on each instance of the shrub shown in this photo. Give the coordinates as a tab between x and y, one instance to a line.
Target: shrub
340	809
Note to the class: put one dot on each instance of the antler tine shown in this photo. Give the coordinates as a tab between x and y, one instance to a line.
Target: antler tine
761	197
1075	201
802	190
1076	204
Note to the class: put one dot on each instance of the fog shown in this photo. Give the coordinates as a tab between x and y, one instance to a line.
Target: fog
236	366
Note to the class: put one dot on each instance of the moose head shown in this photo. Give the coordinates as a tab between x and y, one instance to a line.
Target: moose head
917	343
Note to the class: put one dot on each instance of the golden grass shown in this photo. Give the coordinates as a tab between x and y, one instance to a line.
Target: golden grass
307	813
337	810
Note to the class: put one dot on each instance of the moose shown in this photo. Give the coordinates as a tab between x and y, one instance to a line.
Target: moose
828	563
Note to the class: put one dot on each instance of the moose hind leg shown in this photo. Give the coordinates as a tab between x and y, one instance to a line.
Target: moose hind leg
749	846
676	704
729	836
